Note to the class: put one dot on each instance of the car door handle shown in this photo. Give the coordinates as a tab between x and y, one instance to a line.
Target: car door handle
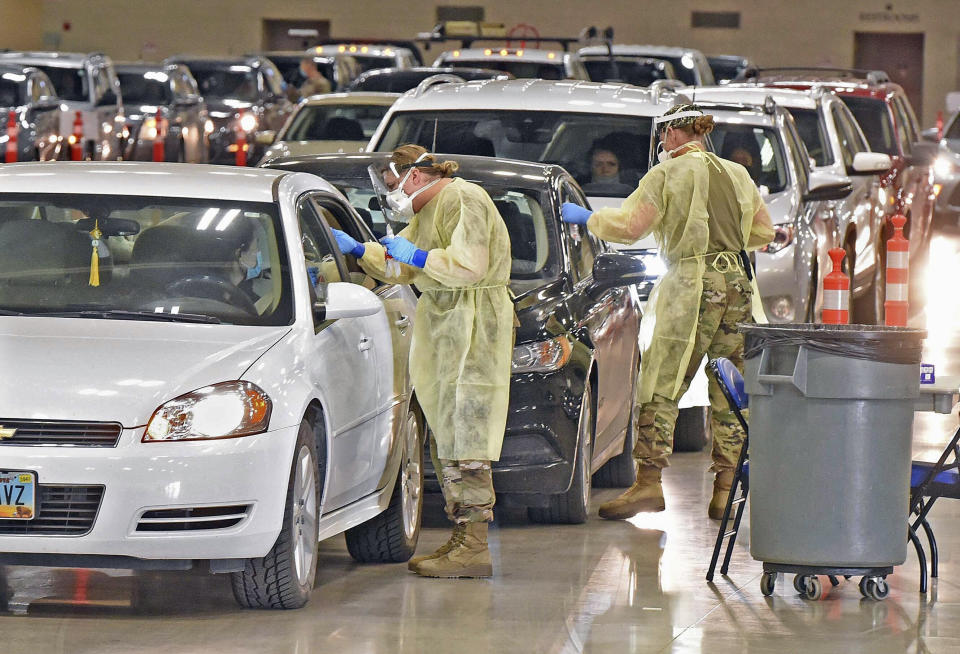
365	343
402	321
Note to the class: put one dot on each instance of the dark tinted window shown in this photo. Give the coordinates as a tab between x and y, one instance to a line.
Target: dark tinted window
145	88
685	68
724	70
10	93
518	68
638	73
369	62
813	133
221	83
953	130
758	149
874	119
335	122
71	83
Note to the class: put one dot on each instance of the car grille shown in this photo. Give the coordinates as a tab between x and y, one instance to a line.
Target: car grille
63	511
46	432
202	518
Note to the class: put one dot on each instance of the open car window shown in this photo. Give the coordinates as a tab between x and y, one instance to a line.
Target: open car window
223	260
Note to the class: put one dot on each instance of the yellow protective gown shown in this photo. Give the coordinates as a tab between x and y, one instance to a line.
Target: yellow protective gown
463	334
671	201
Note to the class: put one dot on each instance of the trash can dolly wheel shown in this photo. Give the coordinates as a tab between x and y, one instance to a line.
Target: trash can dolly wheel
872	584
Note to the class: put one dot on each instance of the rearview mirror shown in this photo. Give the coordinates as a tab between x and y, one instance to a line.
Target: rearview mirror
826	186
870	163
613	269
344	300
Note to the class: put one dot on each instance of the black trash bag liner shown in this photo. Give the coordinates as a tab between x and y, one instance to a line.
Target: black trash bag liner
872	342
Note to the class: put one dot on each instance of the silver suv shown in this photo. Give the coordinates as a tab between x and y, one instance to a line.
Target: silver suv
86	83
835	145
689	65
29	94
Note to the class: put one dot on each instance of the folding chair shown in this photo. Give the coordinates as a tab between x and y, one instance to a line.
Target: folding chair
731	384
928	482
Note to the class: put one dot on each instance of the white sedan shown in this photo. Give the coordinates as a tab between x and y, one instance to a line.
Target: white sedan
192	372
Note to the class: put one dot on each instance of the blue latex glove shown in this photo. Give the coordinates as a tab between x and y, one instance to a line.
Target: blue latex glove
404	251
574	213
348	244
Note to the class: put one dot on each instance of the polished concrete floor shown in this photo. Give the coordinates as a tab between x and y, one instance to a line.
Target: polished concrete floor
635	586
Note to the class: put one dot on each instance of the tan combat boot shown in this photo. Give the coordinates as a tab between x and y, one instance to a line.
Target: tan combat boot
646	495
457	534
721	490
469	557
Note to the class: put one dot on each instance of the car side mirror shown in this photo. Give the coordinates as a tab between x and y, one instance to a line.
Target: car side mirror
823	186
266	137
923	153
870	163
344	300
613	269
930	134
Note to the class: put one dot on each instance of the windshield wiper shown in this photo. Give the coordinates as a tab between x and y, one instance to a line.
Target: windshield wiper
118	314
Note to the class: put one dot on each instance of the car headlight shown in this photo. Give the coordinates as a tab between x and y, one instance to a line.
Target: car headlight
149	130
226	410
783	236
542	356
944	167
248	122
208	127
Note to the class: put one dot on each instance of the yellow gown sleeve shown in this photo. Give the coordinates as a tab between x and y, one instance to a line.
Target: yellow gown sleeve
636	218
468	220
374	263
762	231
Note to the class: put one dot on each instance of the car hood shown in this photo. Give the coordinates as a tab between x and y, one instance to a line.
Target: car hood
298	148
116	370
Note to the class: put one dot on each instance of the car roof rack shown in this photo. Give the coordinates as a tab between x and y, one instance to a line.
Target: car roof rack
873	77
467	32
436	80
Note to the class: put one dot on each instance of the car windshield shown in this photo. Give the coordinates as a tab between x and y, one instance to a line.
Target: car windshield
724	70
528	213
71	83
758	149
290	70
875	122
684	66
10	95
631	71
145	88
369	62
517	67
219	83
335	122
570	140
157	258
813	135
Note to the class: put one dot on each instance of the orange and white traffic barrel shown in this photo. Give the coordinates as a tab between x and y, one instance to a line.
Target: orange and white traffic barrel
11	153
898	260
159	140
836	292
241	159
76	139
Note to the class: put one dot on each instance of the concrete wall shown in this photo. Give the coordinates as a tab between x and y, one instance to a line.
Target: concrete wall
772	32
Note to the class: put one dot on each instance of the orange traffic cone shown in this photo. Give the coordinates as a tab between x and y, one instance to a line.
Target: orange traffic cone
11	153
76	139
898	258
159	141
836	292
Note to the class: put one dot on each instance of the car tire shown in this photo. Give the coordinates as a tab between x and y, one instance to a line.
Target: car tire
692	430
284	578
621	470
572	506
391	536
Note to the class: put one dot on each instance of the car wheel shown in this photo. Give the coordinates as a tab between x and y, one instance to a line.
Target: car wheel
621	470
283	579
571	507
391	536
692	430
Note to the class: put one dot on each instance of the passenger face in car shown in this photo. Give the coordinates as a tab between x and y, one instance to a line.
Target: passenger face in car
605	166
742	157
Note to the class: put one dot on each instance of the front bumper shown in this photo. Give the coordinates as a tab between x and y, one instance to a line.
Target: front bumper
250	472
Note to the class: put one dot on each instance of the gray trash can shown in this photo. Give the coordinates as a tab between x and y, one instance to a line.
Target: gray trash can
831	419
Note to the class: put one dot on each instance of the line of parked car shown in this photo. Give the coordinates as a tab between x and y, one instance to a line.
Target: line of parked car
257	409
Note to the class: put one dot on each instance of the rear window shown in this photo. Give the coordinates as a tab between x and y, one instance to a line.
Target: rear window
145	88
369	62
813	134
223	83
71	83
10	95
335	122
638	73
875	121
568	139
518	68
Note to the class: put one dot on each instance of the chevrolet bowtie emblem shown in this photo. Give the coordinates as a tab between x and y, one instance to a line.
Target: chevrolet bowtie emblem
6	433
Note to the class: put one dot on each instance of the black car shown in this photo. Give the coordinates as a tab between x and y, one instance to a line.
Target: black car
243	94
400	80
727	68
576	356
28	94
168	92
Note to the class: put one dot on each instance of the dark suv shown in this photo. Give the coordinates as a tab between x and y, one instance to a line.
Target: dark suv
242	94
887	120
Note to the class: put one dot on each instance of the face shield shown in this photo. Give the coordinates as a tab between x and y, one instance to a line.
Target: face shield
658	152
396	205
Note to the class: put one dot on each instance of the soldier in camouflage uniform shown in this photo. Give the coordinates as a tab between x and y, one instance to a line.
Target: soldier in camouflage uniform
704	212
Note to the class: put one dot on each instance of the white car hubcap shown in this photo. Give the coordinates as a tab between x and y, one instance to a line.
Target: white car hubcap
304	515
411	478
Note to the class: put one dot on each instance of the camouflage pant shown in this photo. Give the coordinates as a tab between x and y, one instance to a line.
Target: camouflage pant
725	302
467	487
